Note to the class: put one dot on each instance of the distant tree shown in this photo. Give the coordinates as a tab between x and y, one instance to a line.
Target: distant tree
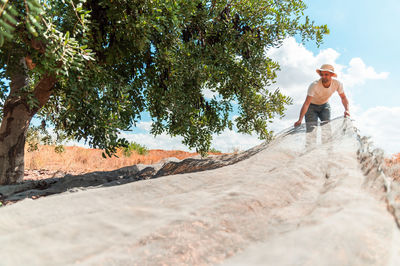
214	150
136	147
90	67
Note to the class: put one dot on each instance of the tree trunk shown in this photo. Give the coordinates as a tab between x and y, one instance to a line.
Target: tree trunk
12	142
17	115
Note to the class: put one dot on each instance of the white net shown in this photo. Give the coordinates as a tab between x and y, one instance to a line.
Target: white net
301	200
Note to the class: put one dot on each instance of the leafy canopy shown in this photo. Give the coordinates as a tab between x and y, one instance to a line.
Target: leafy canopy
116	59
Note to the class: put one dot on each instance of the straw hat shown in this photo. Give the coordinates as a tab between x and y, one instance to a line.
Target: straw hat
327	67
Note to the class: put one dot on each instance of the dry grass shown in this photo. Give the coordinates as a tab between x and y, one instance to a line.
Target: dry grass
392	167
82	160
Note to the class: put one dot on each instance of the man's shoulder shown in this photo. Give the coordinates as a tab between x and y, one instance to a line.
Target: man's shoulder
314	83
337	82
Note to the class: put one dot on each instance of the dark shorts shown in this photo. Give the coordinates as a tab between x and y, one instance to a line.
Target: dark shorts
315	111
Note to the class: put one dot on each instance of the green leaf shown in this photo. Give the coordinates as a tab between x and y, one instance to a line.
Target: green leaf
36	3
7	35
6	26
12	10
8	17
31	29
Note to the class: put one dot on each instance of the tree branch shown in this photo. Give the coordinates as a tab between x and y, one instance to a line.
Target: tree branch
44	90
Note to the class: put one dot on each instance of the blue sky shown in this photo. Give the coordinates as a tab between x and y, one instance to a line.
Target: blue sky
366	29
363	47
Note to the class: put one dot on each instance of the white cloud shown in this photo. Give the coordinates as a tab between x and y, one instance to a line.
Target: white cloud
298	67
298	70
144	125
381	124
357	73
229	141
163	141
209	94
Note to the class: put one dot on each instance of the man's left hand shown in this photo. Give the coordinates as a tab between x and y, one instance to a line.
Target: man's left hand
346	113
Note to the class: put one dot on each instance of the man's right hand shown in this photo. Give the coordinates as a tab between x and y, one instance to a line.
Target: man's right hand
298	123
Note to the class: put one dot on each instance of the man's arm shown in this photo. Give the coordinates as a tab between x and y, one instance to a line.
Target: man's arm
345	103
303	110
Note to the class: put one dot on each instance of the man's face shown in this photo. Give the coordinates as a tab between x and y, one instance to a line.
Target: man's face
326	76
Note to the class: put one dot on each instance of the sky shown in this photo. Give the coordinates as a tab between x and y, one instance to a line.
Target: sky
363	48
364	34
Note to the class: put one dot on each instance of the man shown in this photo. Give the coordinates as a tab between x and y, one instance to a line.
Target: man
316	104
